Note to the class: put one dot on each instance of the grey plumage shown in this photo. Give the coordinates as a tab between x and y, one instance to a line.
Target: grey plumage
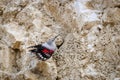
50	44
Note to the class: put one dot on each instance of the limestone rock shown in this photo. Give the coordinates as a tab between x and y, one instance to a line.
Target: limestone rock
90	30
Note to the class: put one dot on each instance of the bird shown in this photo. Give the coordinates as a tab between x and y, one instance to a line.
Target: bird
45	50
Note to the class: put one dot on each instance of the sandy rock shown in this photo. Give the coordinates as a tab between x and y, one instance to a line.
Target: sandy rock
90	30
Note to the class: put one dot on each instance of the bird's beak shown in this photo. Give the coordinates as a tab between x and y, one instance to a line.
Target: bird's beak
55	37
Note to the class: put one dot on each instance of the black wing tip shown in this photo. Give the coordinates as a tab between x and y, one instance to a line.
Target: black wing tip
31	47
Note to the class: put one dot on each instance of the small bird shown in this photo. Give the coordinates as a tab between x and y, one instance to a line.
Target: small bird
44	51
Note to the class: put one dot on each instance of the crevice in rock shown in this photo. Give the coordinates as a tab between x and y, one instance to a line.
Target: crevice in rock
117	6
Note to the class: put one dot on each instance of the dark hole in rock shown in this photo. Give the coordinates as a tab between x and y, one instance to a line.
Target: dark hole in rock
48	25
58	78
0	48
1	12
36	71
99	29
118	6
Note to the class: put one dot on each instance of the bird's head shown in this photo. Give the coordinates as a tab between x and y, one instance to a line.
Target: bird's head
50	44
52	40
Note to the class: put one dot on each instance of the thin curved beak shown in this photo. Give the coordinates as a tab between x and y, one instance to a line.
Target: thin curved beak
55	37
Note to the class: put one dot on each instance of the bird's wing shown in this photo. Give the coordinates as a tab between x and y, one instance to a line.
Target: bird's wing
35	49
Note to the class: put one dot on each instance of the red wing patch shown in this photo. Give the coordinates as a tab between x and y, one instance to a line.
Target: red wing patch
47	51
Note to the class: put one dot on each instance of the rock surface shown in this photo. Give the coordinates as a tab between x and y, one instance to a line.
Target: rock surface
91	33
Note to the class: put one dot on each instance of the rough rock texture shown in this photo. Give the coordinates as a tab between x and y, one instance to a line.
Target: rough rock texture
91	33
